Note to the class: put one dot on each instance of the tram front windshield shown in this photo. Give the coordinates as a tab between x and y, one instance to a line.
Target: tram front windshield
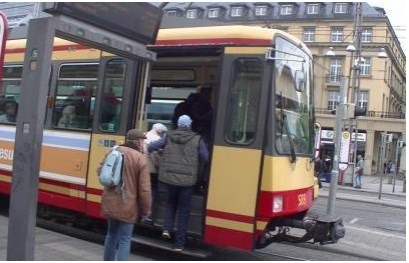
293	124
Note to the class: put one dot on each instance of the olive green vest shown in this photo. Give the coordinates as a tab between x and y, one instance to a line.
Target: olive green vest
180	159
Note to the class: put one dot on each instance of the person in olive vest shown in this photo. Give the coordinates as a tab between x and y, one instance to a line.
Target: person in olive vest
178	170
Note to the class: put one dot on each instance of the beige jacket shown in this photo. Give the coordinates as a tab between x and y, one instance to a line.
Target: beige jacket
135	198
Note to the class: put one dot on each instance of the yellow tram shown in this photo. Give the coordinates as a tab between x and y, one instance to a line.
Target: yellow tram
260	84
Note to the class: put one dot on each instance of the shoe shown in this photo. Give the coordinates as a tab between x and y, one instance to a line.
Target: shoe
147	221
178	248
166	234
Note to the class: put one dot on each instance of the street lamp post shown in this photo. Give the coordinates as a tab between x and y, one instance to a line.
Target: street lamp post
335	164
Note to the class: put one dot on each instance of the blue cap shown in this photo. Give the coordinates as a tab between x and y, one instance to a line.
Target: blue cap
184	121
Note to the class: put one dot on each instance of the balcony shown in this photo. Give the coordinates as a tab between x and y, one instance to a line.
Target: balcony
374	114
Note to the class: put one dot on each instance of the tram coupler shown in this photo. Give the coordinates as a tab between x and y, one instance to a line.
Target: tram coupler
325	229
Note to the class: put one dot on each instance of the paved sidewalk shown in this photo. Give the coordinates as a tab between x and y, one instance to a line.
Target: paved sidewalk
53	246
371	183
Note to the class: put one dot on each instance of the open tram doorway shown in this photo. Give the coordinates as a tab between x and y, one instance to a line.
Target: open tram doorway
176	79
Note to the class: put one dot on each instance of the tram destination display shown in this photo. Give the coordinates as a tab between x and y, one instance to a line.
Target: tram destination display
138	21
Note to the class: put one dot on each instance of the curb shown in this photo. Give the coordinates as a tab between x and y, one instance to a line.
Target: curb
349	198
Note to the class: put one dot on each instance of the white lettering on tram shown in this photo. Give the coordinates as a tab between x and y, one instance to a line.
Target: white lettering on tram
6	154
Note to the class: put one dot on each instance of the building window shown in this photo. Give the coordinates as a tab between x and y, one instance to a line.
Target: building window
333	100
171	13
261	10
365	67
309	34
337	34
286	10
335	70
363	99
236	11
312	9
191	13
366	36
213	12
341	8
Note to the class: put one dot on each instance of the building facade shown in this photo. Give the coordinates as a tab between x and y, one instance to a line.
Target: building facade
375	84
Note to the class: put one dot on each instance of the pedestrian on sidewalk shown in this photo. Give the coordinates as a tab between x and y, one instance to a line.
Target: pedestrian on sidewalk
318	169
123	206
359	171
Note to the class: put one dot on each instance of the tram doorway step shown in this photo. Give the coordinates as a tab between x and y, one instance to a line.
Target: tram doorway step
189	250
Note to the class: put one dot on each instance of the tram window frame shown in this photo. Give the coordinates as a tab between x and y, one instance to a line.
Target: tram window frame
77	102
112	96
5	96
233	107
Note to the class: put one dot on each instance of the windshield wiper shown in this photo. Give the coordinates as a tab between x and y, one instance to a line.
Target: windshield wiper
290	139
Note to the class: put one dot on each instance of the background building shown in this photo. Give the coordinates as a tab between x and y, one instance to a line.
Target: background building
377	85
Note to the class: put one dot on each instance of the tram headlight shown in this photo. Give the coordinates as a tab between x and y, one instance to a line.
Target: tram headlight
277	203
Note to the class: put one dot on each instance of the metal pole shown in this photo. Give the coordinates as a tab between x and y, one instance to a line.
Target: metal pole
382	161
356	80
29	137
396	165
335	168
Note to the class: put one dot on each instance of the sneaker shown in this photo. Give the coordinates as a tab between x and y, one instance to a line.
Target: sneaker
147	221
178	249
166	234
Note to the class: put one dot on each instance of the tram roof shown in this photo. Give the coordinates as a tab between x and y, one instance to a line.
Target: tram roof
221	35
224	35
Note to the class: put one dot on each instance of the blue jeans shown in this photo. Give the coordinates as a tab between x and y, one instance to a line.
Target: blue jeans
179	200
118	237
358	178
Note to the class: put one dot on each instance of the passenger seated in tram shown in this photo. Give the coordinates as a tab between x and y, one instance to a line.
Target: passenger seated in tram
68	119
10	113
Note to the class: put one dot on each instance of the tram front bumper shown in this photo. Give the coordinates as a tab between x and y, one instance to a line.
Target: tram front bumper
324	228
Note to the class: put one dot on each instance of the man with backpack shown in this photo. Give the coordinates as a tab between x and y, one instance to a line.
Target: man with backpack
122	204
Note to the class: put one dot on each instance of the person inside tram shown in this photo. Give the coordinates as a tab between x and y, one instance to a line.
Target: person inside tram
198	107
68	118
10	114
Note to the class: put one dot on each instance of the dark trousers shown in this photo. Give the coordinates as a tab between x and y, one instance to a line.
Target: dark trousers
179	201
319	175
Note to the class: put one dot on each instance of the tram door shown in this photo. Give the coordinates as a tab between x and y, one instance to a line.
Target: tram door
119	82
237	155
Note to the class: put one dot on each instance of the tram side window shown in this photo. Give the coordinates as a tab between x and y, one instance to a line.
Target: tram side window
244	101
10	93
75	96
112	95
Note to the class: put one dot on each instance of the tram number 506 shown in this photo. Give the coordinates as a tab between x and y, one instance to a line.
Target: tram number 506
302	199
